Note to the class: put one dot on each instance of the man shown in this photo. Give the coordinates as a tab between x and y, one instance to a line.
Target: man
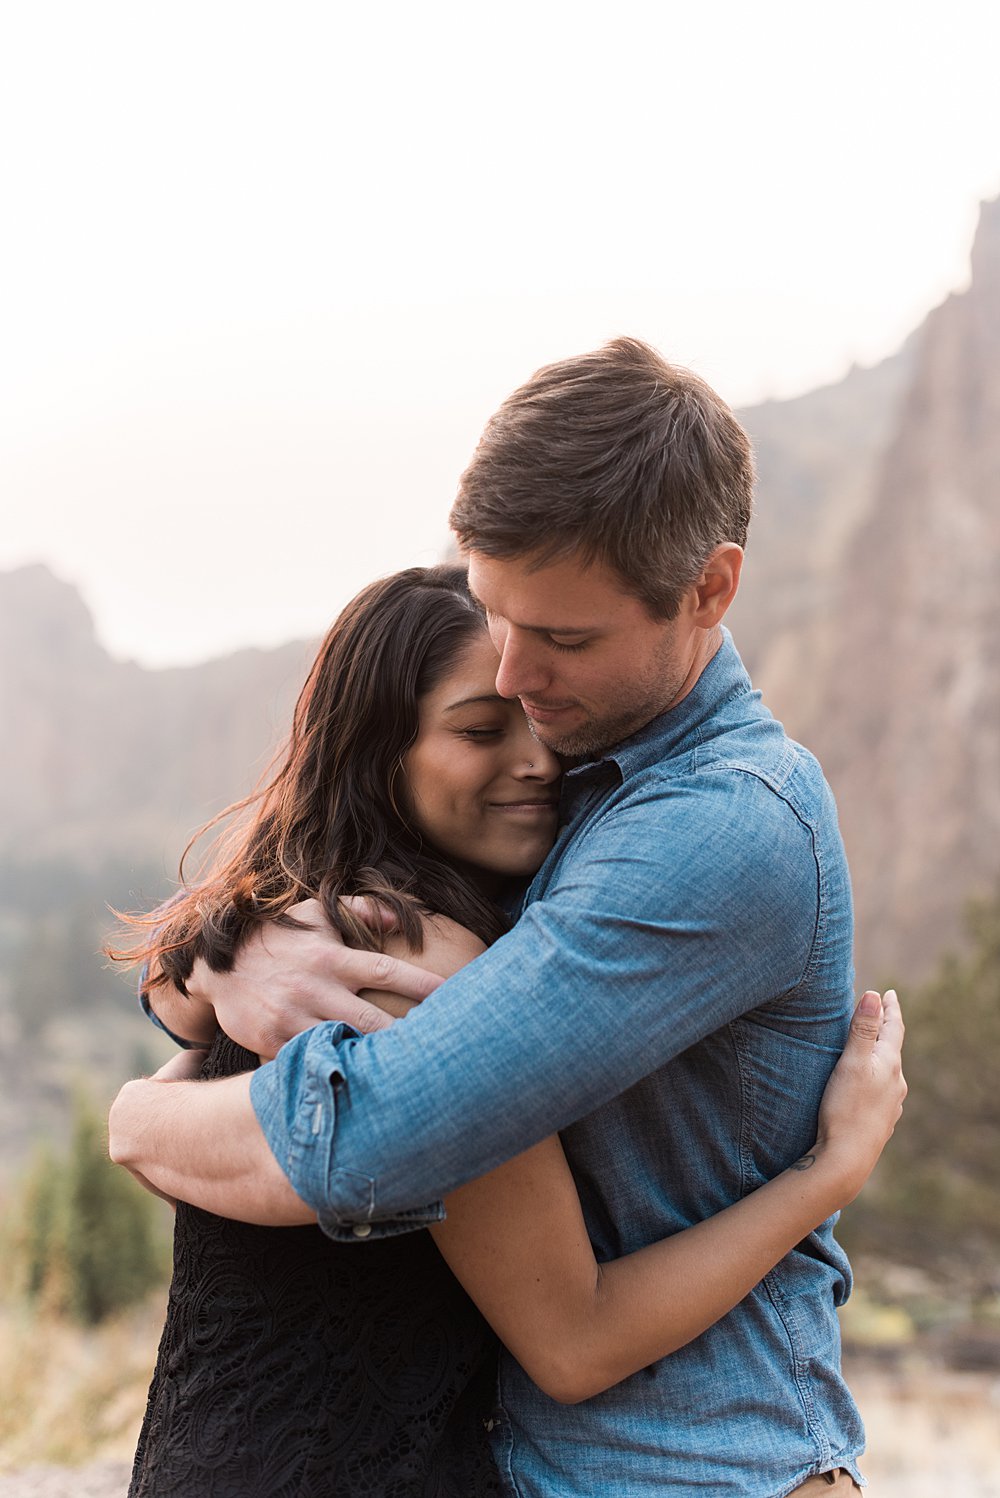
673	996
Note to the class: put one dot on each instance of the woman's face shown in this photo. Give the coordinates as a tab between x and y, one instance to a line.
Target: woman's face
481	789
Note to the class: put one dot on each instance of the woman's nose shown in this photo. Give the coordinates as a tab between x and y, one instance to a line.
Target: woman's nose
535	762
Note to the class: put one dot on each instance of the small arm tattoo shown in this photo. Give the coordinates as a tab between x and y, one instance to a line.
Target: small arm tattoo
805	1163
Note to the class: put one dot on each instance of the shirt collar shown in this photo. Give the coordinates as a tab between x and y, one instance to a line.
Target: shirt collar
679	728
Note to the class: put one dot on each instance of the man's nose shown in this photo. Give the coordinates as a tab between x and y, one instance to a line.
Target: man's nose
520	671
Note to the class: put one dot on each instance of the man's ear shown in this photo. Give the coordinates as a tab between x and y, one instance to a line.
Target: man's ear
716	587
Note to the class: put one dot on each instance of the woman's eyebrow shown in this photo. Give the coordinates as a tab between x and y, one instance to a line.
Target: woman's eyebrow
483	697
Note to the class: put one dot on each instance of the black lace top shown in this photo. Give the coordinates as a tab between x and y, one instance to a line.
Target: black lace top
292	1366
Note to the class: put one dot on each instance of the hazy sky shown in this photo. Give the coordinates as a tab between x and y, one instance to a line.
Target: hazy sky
265	269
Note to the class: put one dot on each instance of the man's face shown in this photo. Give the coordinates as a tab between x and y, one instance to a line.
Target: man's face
587	661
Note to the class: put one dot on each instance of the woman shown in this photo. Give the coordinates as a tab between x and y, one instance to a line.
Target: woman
291	1364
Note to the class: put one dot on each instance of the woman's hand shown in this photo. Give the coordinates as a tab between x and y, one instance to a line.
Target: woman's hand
184	1067
864	1096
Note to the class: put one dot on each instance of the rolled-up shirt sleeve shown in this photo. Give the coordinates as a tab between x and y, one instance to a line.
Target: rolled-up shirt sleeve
295	1098
668	917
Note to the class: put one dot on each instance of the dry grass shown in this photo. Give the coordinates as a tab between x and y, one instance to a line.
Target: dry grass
932	1433
69	1395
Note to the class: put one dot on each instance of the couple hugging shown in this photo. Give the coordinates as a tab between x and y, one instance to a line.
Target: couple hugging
574	1203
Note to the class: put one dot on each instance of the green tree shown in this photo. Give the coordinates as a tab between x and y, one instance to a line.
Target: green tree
39	1234
111	1249
935	1201
87	1239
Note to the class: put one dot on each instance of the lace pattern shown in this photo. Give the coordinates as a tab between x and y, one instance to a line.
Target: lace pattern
291	1366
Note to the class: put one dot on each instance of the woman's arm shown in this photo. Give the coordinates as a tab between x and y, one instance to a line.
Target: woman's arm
517	1241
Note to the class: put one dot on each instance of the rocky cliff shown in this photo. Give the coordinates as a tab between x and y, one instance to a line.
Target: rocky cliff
107	769
104	758
889	667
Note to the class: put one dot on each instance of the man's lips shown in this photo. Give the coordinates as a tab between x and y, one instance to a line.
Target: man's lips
543	713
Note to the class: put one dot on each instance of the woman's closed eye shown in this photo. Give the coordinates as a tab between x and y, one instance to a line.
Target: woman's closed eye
480	735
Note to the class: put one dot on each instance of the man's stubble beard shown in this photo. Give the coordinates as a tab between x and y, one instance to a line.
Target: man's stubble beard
652	695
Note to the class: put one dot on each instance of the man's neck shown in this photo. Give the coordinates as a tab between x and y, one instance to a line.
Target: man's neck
706	648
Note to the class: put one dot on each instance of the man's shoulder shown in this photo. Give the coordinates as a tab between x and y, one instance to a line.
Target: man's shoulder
727	823
780	766
754	766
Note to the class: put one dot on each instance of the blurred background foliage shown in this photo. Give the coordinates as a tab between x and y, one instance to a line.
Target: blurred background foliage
85	1240
934	1202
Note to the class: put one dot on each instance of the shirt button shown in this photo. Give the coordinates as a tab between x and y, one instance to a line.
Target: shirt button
489	1424
361	1229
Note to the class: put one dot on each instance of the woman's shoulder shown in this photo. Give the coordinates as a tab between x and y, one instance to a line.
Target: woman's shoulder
447	946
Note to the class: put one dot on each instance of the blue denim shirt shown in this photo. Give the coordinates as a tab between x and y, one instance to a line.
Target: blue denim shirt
672	1000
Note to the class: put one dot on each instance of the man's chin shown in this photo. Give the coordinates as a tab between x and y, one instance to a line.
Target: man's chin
591	738
585	741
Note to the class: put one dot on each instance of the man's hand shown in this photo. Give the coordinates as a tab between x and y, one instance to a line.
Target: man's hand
287	979
864	1096
200	1142
185	1066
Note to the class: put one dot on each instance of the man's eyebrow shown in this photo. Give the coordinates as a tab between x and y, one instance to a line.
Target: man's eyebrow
540	629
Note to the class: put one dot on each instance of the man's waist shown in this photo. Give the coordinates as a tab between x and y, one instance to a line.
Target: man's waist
754	1401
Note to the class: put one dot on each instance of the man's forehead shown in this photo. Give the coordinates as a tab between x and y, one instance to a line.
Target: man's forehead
565	596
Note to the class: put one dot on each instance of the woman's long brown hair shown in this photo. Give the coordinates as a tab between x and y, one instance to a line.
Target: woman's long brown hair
329	821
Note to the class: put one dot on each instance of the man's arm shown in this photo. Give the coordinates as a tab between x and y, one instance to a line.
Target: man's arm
200	1142
268	1006
632	957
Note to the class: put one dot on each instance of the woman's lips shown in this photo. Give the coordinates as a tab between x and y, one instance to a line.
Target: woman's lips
529	809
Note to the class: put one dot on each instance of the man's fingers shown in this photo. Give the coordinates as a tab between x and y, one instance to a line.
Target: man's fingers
345	1009
377	970
308	913
364	1016
371	913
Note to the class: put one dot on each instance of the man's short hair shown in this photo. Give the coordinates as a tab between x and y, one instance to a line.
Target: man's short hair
615	456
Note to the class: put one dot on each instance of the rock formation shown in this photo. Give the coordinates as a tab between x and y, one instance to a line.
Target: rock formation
890	672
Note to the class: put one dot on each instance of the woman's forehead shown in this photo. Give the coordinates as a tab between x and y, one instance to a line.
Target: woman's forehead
471	678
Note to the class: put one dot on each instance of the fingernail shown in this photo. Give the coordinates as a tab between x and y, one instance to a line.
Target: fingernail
870	1004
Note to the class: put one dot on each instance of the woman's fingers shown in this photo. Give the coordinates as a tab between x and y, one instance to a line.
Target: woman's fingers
877	1028
864	1096
893	1029
184	1067
877	1032
890	1042
866	1023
